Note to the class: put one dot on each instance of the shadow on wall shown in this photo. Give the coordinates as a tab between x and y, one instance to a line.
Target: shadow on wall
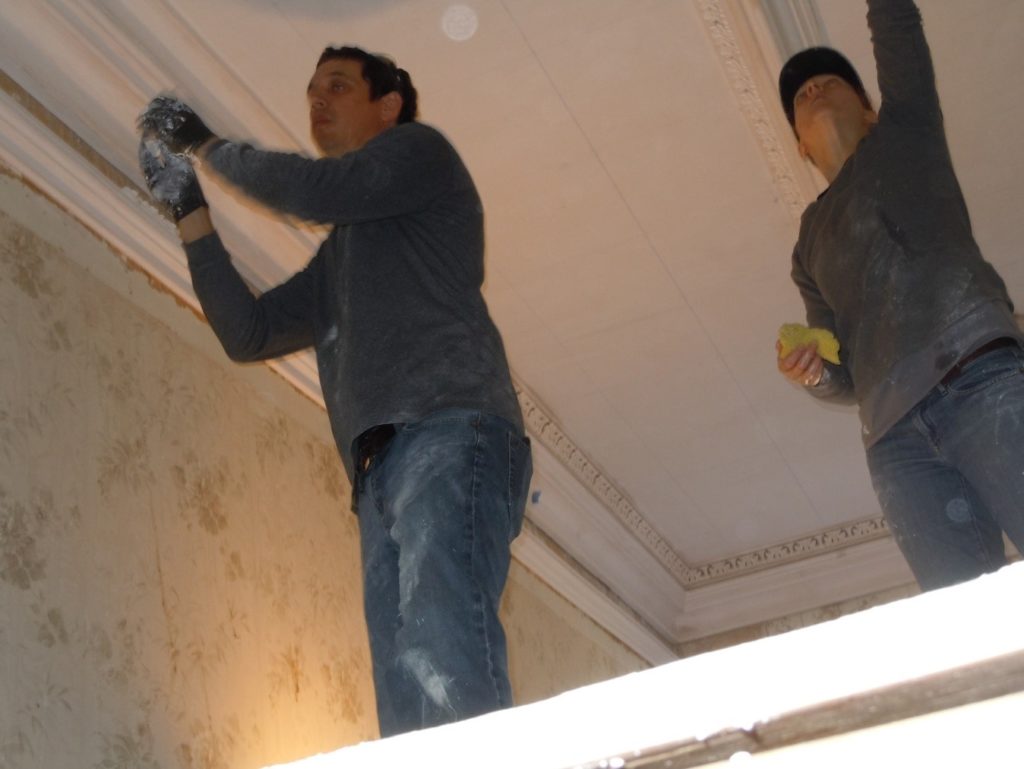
167	595
180	575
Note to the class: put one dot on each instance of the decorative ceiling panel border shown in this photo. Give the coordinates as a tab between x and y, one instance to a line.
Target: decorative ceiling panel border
542	425
744	41
829	540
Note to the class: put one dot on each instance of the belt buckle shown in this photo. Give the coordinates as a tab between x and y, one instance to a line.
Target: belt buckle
990	346
370	443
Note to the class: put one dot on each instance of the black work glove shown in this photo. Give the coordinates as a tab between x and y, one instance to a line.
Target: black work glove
170	177
175	124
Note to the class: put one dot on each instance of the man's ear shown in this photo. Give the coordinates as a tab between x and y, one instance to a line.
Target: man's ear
390	107
804	152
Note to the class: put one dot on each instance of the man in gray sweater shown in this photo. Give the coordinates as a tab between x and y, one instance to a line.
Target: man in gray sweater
412	368
886	261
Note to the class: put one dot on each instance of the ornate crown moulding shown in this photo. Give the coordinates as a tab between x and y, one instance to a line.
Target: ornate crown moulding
795	185
542	426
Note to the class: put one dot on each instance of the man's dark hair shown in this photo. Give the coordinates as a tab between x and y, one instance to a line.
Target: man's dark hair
806	64
381	74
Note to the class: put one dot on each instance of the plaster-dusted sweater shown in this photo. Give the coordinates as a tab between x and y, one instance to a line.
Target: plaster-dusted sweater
886	259
391	301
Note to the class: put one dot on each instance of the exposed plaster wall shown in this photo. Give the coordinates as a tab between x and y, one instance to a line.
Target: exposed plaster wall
179	572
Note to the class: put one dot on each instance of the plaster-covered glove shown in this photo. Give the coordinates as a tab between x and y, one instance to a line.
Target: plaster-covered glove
170	177
175	123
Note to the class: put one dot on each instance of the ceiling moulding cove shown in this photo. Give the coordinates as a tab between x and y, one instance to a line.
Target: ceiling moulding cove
579	525
535	550
747	47
543	426
94	67
38	146
798	586
156	48
55	160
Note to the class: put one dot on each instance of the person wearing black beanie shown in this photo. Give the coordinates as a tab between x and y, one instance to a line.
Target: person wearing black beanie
810	63
886	261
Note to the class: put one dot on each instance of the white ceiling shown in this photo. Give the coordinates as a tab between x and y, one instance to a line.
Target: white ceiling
642	196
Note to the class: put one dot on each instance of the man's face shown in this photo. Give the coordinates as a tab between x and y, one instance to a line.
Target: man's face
342	117
830	98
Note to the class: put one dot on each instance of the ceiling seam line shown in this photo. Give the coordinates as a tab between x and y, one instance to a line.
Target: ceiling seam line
657	253
596	155
715	20
632	215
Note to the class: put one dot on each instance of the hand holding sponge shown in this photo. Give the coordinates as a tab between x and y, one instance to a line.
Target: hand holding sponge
793	335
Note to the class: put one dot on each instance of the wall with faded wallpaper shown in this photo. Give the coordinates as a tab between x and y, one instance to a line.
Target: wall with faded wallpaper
179	579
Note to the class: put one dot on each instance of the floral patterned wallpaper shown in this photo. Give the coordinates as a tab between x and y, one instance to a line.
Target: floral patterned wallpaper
179	572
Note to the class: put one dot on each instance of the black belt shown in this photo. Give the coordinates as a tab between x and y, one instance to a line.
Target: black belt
972	356
370	443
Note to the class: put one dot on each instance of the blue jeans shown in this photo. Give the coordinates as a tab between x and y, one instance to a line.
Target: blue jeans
438	508
950	475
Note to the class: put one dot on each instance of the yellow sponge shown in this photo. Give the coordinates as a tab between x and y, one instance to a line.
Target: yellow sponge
793	335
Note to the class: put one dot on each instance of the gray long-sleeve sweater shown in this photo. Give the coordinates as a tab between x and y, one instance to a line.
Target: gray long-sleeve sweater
886	258
391	300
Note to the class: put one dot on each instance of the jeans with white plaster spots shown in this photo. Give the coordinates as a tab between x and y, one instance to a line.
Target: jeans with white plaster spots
950	475
438	509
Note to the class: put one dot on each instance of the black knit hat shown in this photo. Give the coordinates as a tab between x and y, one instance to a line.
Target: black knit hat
802	66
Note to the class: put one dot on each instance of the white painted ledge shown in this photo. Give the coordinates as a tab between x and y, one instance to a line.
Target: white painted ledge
959	651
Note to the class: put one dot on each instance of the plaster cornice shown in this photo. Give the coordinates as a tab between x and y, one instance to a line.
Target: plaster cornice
751	62
543	427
